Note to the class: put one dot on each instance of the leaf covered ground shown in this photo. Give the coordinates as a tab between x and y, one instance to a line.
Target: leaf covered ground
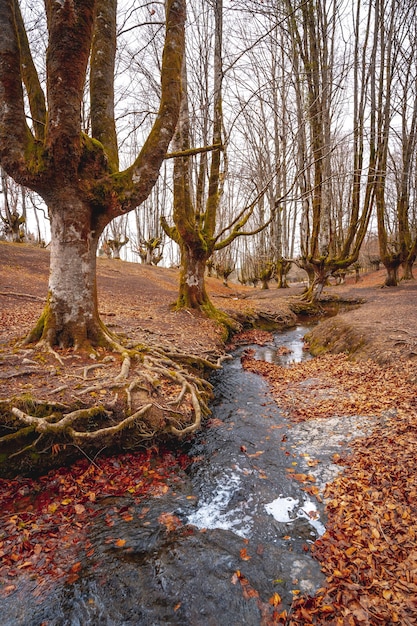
45	520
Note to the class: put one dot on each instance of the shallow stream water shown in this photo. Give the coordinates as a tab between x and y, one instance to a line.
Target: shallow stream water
243	530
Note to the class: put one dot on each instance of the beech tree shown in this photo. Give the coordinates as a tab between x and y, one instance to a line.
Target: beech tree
394	100
197	229
320	71
80	179
77	175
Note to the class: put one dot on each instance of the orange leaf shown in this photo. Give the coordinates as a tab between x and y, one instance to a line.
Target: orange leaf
275	600
170	521
235	578
76	567
120	543
244	555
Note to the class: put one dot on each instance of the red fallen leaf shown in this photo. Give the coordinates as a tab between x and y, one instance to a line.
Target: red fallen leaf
72	578
243	448
248	590
76	567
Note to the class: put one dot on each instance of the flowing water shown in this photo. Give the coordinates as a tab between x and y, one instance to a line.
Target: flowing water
240	530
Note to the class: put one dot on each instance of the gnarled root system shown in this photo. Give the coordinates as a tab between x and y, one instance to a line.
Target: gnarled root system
120	401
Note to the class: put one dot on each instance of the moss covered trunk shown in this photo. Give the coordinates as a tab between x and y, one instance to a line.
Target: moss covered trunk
391	279
192	290
317	282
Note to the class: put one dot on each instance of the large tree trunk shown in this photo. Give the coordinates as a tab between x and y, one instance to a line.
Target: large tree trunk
408	270
76	175
70	317
192	289
317	281
391	279
282	269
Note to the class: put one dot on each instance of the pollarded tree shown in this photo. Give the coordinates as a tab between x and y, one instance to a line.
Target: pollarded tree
78	176
395	121
328	243
197	200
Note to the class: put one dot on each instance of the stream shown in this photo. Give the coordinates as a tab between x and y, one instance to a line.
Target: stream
238	529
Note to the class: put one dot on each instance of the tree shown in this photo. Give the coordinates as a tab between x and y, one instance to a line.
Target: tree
77	175
197	200
115	237
13	221
327	243
395	129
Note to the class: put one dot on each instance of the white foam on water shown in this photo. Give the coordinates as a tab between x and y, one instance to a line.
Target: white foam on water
212	512
287	510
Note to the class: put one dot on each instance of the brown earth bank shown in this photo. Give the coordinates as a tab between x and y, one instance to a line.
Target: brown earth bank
365	373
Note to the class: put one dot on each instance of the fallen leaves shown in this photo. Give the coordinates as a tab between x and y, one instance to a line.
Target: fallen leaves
44	521
119	543
369	552
332	385
244	555
170	521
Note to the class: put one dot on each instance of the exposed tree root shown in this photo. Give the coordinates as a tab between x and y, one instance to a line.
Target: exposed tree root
159	393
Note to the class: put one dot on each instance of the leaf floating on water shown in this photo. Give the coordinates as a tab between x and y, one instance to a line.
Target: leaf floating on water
244	555
275	600
235	577
256	454
120	543
170	521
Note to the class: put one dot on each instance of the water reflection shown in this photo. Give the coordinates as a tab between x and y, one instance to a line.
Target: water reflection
287	347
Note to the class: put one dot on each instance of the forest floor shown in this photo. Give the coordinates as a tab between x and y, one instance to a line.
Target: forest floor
369	553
